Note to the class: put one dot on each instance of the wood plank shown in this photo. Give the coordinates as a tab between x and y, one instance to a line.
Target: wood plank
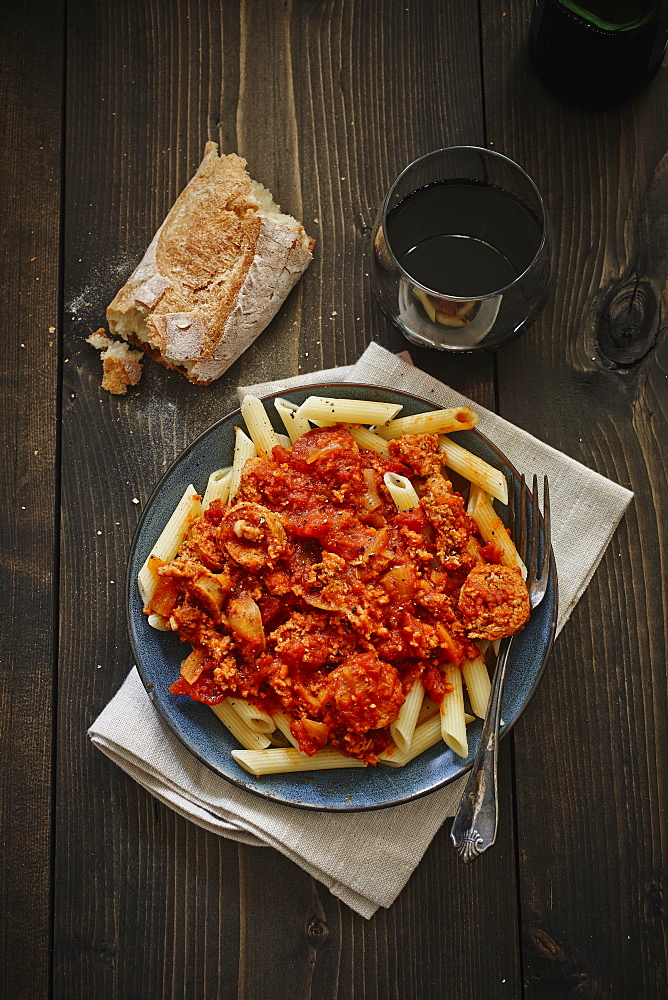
29	239
374	92
591	882
132	880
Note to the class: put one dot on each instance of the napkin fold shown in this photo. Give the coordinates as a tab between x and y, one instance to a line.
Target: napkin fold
584	506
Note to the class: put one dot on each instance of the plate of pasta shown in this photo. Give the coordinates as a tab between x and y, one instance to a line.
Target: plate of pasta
316	590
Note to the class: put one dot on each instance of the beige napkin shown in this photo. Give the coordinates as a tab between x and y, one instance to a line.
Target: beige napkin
363	858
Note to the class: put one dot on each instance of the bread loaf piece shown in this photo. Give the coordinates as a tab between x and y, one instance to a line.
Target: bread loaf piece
215	274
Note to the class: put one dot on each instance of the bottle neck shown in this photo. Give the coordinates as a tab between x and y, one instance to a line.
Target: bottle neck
615	15
598	52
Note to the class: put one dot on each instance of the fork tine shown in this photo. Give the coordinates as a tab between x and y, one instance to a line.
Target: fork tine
511	510
521	541
541	581
538	582
547	540
532	568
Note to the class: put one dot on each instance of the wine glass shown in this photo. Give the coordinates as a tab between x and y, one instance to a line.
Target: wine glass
460	253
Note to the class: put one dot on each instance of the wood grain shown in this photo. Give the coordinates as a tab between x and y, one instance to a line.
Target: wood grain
331	82
328	100
592	882
30	179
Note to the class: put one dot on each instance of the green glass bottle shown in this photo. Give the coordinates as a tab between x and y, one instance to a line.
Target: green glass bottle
598	52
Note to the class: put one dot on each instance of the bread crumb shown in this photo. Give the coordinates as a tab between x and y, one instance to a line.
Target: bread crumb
120	364
100	339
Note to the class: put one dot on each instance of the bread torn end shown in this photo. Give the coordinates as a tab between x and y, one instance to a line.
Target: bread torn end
215	273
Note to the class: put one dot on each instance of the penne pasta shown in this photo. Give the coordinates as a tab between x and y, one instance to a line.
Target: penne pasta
403	727
280	760
282	723
347	411
475	469
473	548
426	735
455	418
258	425
249	738
218	487
158	622
478	684
401	490
294	425
277	739
453	722
167	545
428	711
300	632
368	440
492	528
244	449
254	717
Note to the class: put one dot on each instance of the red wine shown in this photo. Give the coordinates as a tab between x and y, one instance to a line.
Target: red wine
463	238
597	52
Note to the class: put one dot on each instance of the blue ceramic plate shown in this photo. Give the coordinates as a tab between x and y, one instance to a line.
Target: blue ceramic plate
158	654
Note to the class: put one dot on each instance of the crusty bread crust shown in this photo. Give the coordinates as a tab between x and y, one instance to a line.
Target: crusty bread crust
215	274
121	366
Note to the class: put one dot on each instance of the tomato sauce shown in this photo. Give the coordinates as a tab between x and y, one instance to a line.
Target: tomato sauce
312	595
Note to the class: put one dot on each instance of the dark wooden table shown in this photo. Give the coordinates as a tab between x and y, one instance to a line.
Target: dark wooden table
106	106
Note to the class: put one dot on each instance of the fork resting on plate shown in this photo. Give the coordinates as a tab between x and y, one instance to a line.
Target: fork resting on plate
475	824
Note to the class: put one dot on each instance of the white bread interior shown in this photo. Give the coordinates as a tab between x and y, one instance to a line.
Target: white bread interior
121	366
215	274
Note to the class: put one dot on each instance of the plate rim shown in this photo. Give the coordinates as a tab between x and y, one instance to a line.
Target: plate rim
130	583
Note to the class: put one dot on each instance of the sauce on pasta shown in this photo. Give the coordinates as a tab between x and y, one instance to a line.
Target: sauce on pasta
313	595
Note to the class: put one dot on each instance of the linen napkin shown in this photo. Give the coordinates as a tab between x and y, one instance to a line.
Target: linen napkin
584	505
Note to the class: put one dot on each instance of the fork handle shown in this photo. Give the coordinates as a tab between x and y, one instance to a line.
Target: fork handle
475	823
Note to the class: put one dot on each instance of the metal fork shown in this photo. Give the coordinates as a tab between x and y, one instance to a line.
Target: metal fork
475	824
